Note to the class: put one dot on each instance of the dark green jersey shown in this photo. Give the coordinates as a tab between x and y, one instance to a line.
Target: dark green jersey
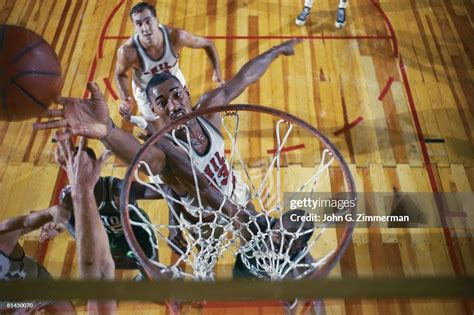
107	191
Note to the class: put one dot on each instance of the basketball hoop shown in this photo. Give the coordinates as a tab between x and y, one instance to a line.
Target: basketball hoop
212	231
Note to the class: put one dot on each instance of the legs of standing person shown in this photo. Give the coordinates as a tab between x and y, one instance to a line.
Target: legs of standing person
340	16
341	13
303	16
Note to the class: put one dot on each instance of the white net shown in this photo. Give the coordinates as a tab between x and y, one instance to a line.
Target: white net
250	221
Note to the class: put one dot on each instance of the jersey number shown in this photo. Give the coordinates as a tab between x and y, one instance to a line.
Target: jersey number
112	223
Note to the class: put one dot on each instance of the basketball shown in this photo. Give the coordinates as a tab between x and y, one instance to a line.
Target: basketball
30	74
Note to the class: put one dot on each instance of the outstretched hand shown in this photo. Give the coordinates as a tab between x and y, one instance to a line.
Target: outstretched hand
81	169
287	48
79	117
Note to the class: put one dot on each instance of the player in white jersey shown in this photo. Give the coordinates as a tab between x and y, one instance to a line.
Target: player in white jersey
15	265
154	48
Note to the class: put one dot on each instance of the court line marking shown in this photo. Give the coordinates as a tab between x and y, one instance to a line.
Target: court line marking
110	88
347	127
385	89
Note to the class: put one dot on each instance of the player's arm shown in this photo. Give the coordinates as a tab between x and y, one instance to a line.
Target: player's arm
11	229
248	74
137	191
126	57
36	219
93	251
180	38
125	146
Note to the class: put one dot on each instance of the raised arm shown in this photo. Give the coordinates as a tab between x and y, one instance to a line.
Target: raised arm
181	38
248	74
93	251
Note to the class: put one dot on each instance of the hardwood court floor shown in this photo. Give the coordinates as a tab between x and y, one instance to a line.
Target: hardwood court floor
395	86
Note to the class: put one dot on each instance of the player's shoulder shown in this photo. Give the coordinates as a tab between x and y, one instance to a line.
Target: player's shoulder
175	34
128	50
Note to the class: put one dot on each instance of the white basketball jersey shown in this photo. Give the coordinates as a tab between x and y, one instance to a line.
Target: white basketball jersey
168	62
213	163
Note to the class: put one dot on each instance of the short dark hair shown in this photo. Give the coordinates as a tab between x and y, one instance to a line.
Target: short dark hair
141	6
294	226
157	79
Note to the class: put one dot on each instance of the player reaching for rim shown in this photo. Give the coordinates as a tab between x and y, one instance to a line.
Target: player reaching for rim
169	100
93	252
153	49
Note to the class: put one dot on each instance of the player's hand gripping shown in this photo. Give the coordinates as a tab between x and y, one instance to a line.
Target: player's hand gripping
84	117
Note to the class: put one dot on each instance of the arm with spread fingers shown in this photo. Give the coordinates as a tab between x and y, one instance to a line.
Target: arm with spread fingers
93	251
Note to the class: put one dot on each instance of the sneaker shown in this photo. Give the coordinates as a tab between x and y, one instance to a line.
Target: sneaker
341	17
301	19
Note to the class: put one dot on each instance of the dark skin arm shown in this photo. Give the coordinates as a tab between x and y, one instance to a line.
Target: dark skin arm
248	74
139	191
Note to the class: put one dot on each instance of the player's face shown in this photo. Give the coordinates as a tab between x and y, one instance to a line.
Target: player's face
170	100
146	26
